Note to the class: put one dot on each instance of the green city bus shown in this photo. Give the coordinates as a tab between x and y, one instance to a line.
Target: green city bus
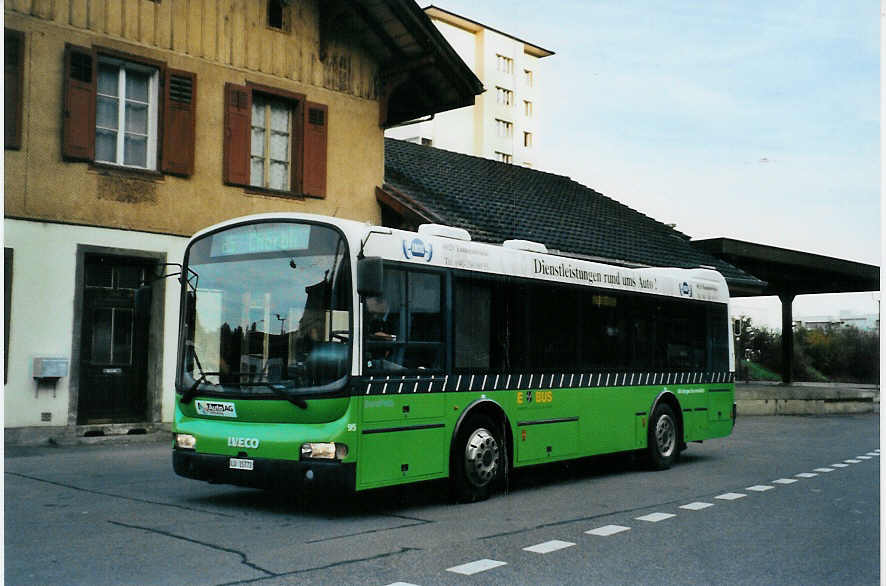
316	352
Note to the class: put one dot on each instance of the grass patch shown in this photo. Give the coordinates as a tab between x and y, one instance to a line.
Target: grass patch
758	372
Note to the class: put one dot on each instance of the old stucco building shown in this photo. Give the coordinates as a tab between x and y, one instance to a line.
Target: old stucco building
130	125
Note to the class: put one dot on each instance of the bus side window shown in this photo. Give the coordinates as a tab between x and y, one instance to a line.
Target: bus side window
472	316
403	328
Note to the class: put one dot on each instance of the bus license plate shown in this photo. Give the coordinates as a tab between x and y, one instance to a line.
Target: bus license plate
238	464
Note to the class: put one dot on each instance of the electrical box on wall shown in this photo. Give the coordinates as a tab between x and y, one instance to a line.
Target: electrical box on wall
50	367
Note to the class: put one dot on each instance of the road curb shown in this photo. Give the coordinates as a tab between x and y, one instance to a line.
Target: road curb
806	399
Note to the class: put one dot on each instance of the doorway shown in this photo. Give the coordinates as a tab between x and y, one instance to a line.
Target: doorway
113	342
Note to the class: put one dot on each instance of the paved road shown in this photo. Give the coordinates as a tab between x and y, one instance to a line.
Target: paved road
787	500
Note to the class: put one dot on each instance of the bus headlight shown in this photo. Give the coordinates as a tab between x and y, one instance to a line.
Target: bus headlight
324	450
185	441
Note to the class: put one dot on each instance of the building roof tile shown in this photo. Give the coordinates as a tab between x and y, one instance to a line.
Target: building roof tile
497	201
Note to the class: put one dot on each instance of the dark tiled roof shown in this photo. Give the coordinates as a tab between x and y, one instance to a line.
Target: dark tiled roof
496	202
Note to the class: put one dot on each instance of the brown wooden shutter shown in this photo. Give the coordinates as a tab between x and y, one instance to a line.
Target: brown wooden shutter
179	119
314	153
14	58
78	126
238	128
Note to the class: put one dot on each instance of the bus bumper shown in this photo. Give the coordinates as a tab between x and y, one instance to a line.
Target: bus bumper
307	475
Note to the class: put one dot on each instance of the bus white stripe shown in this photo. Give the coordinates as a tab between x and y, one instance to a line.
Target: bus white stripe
562	376
571	378
483	388
607	380
458	383
471	384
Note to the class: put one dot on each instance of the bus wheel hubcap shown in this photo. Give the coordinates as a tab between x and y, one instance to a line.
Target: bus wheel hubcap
481	457
665	435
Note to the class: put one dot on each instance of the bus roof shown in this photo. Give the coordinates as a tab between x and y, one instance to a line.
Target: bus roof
446	247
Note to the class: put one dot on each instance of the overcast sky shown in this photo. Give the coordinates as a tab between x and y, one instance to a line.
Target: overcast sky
743	119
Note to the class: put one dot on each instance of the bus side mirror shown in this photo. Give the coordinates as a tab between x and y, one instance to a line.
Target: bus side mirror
370	277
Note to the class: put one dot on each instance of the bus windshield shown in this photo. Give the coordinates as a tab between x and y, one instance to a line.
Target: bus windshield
267	310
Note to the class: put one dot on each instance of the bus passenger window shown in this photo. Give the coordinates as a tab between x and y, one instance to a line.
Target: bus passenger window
403	327
473	315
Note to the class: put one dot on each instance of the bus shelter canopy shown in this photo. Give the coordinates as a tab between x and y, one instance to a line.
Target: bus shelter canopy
789	273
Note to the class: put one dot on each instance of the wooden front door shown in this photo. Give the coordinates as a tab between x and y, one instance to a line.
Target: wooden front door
114	349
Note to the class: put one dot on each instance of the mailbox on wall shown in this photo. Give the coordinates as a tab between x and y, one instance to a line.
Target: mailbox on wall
50	368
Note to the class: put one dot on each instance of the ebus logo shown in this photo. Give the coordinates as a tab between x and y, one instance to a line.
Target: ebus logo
685	289
528	397
417	248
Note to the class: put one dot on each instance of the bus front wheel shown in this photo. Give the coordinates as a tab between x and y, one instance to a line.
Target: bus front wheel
663	440
477	461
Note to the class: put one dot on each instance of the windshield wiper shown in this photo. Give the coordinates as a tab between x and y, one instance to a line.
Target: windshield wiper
189	393
281	391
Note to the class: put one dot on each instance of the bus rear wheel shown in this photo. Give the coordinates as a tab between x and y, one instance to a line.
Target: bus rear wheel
664	437
477	460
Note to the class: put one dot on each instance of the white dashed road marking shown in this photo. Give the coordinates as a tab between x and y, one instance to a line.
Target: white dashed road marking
475	567
607	530
483	565
696	506
655	517
549	546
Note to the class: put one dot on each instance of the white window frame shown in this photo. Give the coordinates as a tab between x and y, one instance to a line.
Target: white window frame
527	108
504	96
504	128
153	108
266	152
504	157
527	75
503	63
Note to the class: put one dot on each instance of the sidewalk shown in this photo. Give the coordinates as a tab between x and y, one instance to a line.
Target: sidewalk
764	398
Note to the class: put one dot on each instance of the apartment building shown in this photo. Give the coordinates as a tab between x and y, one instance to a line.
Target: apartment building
504	123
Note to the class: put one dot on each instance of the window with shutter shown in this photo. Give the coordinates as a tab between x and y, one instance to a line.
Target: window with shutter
13	75
274	141
128	112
